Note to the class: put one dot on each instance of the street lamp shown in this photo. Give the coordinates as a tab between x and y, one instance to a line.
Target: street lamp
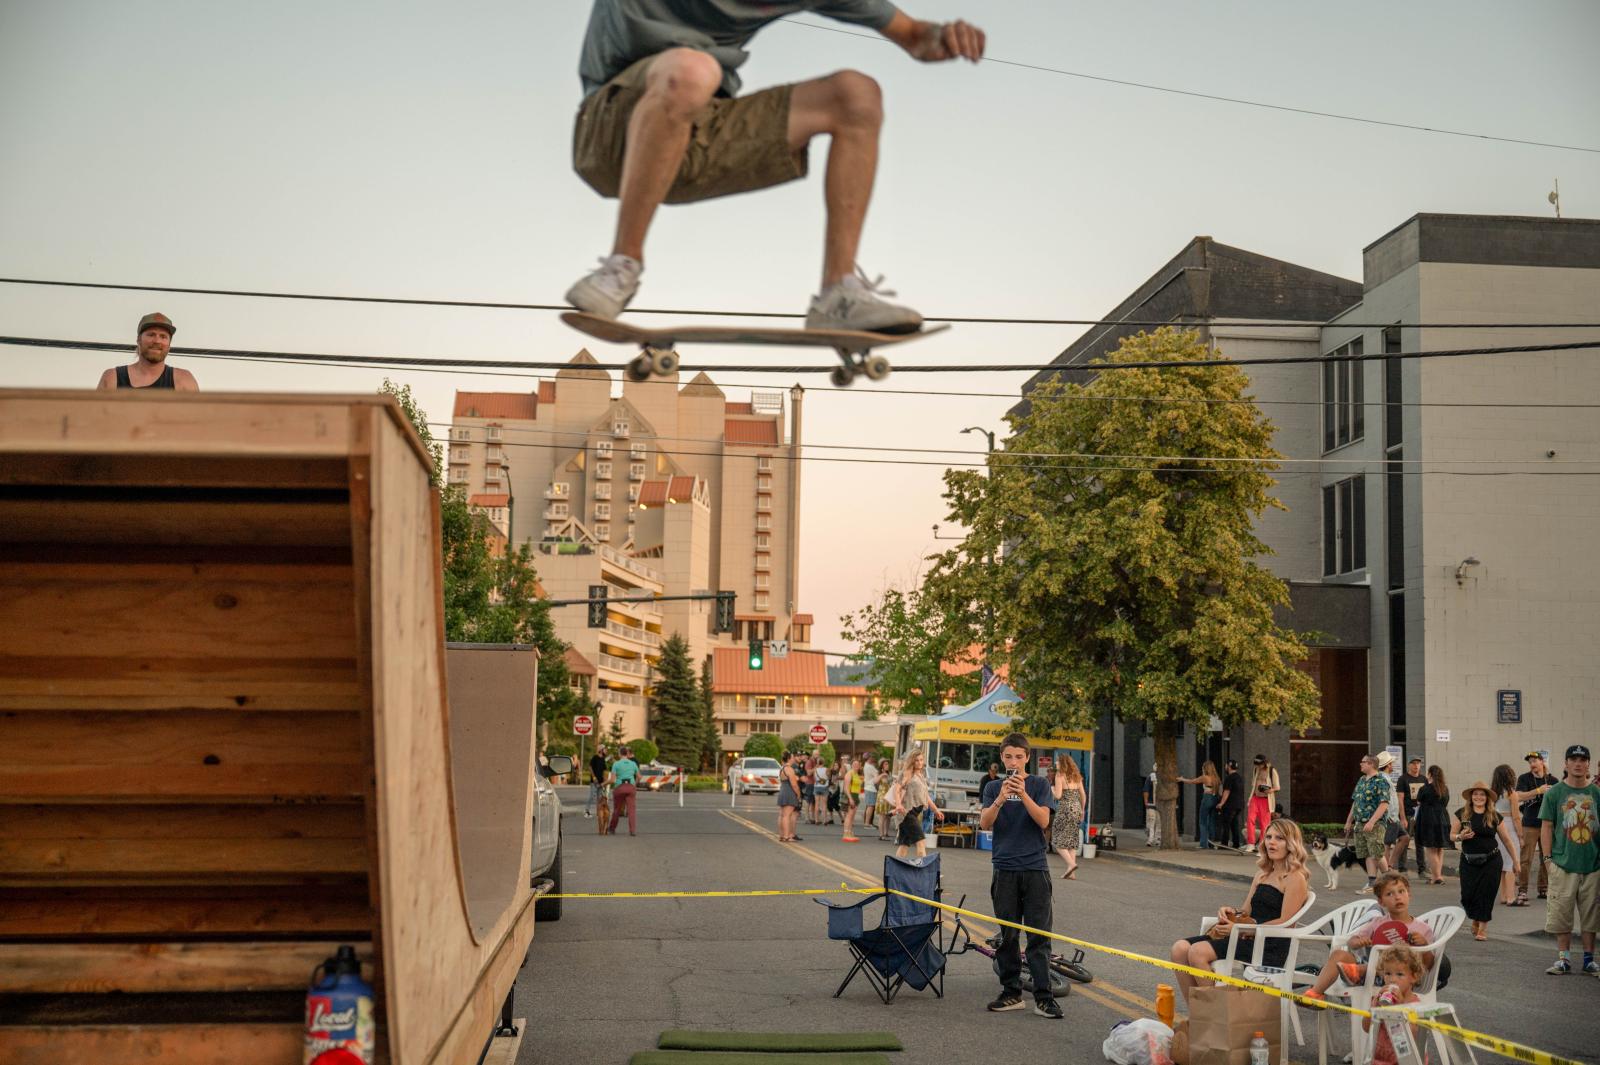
989	433
1461	570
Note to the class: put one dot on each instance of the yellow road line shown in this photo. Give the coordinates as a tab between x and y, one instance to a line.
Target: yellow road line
1100	992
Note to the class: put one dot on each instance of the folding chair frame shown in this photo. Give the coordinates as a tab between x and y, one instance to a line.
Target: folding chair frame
888	986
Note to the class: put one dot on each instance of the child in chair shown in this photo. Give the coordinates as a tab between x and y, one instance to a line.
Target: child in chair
1399	972
1394	925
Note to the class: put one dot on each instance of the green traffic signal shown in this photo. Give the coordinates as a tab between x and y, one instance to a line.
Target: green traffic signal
756	654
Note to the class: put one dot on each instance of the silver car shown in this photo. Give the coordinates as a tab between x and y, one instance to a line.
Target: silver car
753	774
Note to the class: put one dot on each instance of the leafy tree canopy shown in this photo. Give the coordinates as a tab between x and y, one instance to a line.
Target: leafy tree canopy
763	745
905	639
679	727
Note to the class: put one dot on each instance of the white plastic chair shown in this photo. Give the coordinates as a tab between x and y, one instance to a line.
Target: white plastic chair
1225	963
1445	922
1341	921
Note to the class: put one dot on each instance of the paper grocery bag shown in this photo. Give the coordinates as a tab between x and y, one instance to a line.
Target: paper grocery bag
1223	1020
1179	1051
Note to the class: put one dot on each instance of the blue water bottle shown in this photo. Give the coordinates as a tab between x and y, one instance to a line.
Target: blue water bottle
339	1022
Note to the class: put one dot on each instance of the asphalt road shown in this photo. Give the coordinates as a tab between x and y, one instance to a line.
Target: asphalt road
606	979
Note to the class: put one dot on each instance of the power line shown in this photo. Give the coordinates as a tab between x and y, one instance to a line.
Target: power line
1227	99
397	361
782	456
716	444
680	312
877	390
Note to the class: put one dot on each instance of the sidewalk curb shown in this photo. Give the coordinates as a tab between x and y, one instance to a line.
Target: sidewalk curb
1157	863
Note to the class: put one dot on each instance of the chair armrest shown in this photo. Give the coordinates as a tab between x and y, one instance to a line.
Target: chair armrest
851	906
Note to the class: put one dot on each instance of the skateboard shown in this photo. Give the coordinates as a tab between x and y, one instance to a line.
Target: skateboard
656	357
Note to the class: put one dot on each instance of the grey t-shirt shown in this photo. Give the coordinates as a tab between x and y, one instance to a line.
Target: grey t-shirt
622	32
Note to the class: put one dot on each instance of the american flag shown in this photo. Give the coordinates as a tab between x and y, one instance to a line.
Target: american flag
991	680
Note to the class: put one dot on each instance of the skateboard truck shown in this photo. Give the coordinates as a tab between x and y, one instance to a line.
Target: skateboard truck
652	361
857	361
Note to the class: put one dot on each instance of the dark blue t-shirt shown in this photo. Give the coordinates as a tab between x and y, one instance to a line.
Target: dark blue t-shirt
1019	842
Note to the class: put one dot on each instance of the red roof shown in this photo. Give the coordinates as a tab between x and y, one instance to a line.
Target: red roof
653	493
738	408
518	405
802	673
489	499
547	391
804	619
738	431
578	664
680	489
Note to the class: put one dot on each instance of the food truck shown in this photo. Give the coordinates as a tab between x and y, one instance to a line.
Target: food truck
963	741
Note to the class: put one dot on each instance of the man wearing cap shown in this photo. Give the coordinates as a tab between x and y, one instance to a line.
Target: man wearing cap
1410	785
1364	824
1531	789
1569	816
150	369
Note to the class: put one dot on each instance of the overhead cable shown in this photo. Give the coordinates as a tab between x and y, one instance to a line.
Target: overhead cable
397	361
681	312
1227	99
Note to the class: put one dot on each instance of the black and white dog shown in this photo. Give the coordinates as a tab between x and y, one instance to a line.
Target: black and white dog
1332	858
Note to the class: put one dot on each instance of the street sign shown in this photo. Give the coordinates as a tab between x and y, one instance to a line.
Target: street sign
819	734
582	725
1441	735
1508	707
778	648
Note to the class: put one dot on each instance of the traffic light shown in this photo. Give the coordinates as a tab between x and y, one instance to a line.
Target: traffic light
724	619
757	655
597	609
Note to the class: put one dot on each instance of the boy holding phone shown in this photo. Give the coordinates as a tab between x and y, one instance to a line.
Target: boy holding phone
1017	808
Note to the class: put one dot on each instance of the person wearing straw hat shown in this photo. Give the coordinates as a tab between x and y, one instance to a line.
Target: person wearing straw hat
153	339
1477	826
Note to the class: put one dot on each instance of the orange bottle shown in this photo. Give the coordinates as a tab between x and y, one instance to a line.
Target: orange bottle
1165	1008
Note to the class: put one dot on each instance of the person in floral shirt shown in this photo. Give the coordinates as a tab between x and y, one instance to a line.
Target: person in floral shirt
1364	824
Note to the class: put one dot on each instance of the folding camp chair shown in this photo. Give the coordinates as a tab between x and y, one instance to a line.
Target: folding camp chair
909	945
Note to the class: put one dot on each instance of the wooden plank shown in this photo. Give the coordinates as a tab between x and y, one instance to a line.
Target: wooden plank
141	910
177	679
465	1032
67	968
167	756
341	821
503	1049
185	471
254	523
211	424
170	1044
279	612
166	859
344	697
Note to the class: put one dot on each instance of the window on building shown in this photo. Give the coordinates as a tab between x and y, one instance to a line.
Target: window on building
763	484
765	704
763	601
763	521
494	432
620	428
558	510
1343	410
635	471
602	532
602	449
602	470
763	580
1397	668
602	511
763	541
772	727
763	462
1344	526
461	434
458	475
729	728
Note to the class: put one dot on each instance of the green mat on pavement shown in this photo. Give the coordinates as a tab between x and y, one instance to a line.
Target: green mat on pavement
756	1057
778	1042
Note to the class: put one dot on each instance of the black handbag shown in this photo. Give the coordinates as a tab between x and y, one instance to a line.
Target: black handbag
1477	859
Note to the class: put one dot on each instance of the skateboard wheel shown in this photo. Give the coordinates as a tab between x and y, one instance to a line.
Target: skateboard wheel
876	367
663	361
841	377
638	369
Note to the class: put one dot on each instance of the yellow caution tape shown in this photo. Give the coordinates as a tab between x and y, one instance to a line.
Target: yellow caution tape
1505	1047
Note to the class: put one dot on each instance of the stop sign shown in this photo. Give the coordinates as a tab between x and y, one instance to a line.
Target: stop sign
582	725
819	734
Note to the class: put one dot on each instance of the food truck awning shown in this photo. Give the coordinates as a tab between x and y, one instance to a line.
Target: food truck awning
981	723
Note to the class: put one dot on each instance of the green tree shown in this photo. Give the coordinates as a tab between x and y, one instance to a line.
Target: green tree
614	733
489	599
644	751
763	745
710	733
1119	568
905	639
679	728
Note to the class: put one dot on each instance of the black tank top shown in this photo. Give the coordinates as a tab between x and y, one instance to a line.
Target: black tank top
164	381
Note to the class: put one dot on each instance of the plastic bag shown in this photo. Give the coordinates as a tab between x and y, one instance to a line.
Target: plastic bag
1140	1042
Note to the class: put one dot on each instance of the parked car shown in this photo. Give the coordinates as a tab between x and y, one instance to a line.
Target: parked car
754	774
547	835
658	776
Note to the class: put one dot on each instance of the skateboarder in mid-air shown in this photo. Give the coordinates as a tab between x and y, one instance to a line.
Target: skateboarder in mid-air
661	121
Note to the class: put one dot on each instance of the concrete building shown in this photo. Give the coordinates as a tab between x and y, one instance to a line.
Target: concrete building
660	489
1433	588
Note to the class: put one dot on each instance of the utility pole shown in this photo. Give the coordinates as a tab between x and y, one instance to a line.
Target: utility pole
988	627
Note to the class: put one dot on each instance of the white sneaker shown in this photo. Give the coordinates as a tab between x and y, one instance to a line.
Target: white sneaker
606	291
856	303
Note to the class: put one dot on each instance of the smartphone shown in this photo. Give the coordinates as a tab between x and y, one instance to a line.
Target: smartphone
1012	776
